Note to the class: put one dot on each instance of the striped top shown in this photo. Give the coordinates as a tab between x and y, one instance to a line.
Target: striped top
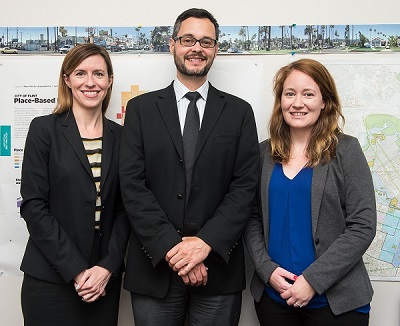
93	148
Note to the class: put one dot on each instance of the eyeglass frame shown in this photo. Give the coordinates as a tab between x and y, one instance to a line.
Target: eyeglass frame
176	38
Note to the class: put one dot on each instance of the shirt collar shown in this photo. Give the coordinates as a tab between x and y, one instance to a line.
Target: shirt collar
181	90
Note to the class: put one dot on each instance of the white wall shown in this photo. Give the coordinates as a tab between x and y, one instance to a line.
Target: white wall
227	12
385	305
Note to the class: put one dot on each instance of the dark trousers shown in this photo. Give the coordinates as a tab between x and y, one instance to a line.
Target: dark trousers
180	303
271	313
48	304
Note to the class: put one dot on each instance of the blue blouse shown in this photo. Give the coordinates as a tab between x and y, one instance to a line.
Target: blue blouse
290	235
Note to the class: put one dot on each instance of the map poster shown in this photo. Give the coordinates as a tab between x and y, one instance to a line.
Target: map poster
370	95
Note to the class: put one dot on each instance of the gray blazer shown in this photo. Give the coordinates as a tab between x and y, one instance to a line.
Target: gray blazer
343	226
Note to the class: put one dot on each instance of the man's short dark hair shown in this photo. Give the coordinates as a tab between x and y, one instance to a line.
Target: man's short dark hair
196	13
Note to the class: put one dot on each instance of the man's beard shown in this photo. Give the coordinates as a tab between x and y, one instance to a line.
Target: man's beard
180	65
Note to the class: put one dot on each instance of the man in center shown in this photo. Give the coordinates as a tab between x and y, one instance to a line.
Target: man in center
188	167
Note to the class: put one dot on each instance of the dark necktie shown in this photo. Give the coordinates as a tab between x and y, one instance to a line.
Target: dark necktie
190	133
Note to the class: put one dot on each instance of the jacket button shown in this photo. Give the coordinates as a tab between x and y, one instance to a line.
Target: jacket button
317	241
179	196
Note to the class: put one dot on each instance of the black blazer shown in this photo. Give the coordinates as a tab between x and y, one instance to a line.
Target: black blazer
59	200
153	188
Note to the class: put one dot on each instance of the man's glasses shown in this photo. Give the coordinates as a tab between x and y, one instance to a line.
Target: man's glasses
190	41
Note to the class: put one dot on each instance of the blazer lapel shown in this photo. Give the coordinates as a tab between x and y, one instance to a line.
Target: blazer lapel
107	150
166	102
266	172
71	133
214	106
317	190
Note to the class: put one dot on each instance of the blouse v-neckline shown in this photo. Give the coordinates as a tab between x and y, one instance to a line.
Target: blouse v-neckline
294	177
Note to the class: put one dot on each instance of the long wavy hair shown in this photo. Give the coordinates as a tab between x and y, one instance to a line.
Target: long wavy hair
321	147
72	60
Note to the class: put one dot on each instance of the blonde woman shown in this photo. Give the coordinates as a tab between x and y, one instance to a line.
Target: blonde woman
72	204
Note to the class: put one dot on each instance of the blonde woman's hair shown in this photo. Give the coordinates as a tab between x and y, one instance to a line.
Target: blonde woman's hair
321	146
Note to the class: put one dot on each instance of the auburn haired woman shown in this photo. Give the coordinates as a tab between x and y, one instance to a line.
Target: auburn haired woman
314	216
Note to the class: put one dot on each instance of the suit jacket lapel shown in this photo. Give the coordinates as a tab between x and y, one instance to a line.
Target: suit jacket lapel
107	150
266	172
71	133
317	190
166	102
214	106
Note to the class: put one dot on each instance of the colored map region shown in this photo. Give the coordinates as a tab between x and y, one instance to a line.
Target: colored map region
370	97
383	257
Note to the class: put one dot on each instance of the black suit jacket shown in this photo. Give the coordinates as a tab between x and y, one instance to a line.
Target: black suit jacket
59	200
153	188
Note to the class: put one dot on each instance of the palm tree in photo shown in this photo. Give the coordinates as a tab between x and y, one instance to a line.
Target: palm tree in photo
317	36
283	29
370	38
248	37
346	34
308	30
137	29
269	38
264	37
244	32
323	34
331	34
